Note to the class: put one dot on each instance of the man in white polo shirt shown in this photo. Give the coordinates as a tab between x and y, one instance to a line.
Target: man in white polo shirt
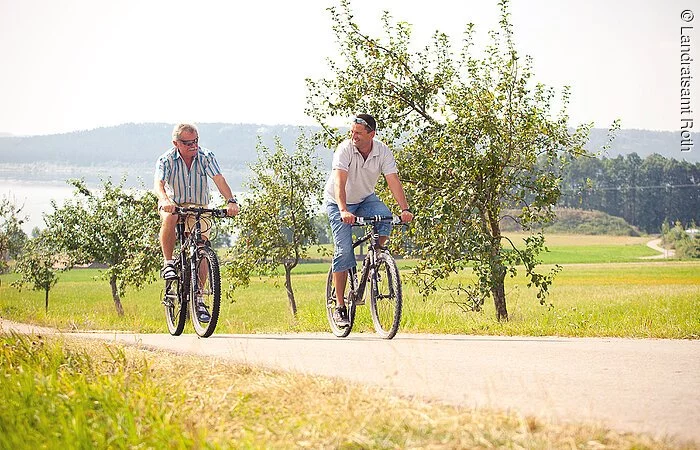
357	164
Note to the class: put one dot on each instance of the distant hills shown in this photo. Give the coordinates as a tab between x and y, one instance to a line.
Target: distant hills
645	143
141	143
234	144
131	150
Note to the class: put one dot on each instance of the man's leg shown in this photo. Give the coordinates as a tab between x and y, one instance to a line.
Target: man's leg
167	234
339	280
167	244
343	255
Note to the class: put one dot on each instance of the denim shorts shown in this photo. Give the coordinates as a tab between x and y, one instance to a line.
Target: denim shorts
344	256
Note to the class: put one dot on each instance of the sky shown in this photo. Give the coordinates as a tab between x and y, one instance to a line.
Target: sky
81	64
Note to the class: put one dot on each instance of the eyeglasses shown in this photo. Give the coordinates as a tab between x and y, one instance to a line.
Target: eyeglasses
189	143
362	121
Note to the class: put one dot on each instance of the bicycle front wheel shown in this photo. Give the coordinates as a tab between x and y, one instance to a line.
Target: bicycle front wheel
175	300
386	299
206	291
331	304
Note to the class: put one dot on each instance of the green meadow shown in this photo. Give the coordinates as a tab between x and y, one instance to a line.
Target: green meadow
607	287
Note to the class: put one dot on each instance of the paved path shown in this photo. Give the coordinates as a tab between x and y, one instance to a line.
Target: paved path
656	245
640	385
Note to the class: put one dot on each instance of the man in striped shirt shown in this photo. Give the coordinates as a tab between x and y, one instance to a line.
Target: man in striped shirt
181	178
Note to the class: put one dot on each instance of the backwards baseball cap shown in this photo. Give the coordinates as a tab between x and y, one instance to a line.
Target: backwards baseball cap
366	120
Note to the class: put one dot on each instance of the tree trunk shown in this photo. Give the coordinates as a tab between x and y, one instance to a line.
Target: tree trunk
499	293
46	300
115	295
498	272
290	292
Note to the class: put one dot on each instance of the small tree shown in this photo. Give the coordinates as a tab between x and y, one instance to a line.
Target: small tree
37	266
276	223
12	238
111	227
473	137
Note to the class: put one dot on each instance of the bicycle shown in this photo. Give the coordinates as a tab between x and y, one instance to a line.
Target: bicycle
194	260
380	269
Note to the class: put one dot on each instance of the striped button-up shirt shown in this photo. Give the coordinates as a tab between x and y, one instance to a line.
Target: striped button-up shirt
185	185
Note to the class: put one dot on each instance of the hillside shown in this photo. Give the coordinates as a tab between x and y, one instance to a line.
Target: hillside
578	221
644	143
234	144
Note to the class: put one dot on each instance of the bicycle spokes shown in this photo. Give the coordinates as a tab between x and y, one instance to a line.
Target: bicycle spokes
386	301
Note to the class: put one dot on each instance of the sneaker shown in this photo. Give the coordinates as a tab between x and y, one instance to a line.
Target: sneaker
202	312
340	316
168	272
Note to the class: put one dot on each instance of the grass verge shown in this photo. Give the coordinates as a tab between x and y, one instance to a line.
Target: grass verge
70	393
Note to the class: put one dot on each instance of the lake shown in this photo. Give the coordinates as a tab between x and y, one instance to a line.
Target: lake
36	197
35	185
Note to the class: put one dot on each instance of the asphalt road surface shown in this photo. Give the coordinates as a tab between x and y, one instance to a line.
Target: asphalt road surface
640	385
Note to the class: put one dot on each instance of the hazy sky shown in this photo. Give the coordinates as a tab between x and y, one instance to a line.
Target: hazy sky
79	64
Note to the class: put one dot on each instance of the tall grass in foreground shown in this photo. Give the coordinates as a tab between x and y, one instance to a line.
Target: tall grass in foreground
76	394
650	299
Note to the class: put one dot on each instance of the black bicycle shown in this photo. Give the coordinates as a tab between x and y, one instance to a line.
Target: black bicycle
379	268
194	261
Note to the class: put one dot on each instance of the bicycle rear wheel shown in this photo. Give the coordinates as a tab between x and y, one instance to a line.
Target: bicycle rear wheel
175	300
331	304
386	299
208	290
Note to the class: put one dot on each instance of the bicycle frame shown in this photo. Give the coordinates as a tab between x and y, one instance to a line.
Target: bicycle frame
189	243
357	288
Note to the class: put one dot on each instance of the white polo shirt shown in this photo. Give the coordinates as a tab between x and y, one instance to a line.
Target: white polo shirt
362	174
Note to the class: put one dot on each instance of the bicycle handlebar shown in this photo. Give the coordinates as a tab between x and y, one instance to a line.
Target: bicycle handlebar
220	213
366	220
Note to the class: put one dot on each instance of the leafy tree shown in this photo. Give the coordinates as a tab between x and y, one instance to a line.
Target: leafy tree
37	266
112	227
473	136
276	223
685	242
12	238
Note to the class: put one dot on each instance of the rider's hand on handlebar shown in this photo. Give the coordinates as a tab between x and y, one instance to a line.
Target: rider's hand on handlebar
347	217
167	205
232	209
406	216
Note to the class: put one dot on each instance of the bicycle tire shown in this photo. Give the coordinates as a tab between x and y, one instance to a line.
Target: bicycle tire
175	300
210	292
386	299
331	303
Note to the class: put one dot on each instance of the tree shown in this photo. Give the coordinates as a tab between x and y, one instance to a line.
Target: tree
472	137
112	227
276	223
37	266
12	238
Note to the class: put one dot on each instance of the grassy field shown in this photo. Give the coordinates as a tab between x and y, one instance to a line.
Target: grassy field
569	249
645	298
77	394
